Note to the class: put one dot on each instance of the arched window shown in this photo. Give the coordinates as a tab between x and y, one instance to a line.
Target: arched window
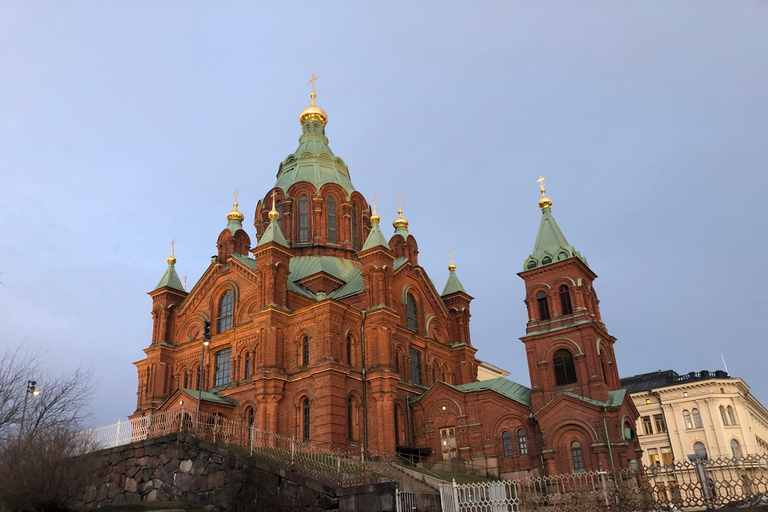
331	207
305	418
602	368
413	312
731	417
226	305
279	209
247	366
687	419
696	418
565	300
506	442
349	350
700	450
541	298
578	459
186	380
735	448
398	439
397	361
354	228
303	219
723	416
522	442
415	366
350	418
251	417
305	351
223	367
565	371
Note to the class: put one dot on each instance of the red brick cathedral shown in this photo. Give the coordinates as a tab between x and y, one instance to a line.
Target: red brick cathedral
326	330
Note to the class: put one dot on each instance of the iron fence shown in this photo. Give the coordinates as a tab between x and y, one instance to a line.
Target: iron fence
683	485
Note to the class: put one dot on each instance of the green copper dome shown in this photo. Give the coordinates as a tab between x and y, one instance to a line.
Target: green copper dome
551	245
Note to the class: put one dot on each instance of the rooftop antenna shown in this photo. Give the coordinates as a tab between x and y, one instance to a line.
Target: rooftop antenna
725	365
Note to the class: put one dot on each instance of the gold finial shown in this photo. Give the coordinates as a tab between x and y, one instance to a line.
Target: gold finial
172	259
451	266
544	202
313	111
234	214
273	214
375	217
185	283
400	221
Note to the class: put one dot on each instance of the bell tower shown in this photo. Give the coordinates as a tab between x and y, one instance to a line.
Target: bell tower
568	347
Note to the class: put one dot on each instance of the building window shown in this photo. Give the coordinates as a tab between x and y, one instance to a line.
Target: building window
251	417
723	416
415	366
735	448
666	456
305	418
661	425
349	350
350	419
222	367
565	300
522	442
687	419
647	425
578	460
305	351
541	298
186	379
700	450
354	228
303	219
506	442
226	305
565	371
331	206
696	418
397	361
413	312
731	417
653	454
247	366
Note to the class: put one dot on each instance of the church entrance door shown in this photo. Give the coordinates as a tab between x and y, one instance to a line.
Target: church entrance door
448	442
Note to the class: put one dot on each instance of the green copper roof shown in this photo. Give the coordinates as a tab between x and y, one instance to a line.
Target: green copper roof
375	238
313	161
273	233
170	279
402	231
506	387
349	271
209	397
551	245
453	285
234	225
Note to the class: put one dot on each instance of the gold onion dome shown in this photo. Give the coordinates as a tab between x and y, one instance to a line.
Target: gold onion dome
313	111
171	259
273	213
544	202
235	214
375	219
451	266
400	221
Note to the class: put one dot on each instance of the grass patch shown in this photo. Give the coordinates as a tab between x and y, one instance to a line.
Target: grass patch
461	478
144	506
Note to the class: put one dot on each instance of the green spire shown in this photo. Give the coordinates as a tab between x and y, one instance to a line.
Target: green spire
551	245
273	233
453	284
171	278
375	237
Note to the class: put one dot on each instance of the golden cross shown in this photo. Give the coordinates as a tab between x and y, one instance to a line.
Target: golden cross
374	205
274	201
236	192
399	203
185	283
312	82
172	242
541	182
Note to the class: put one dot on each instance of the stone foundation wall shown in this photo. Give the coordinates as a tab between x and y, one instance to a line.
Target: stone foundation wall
185	468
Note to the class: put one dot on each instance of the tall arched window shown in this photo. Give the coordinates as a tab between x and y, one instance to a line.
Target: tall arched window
506	442
565	371
186	380
723	416
226	305
397	361
735	448
349	350
412	311
700	450
303	219
223	367
251	417
565	300
305	418
397	425
331	211
247	366
354	228
687	419
696	418
305	351
578	459
541	299
522	442
731	417
350	418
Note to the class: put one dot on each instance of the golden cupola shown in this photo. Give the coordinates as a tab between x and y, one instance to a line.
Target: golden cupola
313	111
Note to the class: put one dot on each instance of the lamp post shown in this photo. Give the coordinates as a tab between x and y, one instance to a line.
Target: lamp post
31	390
206	340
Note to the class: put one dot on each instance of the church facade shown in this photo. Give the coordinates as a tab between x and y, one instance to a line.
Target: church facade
327	330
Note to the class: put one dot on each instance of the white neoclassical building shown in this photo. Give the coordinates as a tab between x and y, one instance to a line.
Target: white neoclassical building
700	413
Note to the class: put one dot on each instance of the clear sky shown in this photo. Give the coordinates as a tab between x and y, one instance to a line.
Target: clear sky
125	124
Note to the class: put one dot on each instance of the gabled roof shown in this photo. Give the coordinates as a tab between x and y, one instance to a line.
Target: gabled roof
453	285
349	271
375	238
273	233
207	396
551	245
170	279
505	387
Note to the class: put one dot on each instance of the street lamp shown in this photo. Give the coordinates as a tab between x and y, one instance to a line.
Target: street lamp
206	340
31	390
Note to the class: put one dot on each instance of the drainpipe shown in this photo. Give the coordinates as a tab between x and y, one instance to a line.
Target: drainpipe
607	437
365	391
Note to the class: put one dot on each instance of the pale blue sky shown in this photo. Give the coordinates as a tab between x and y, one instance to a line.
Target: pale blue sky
126	124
